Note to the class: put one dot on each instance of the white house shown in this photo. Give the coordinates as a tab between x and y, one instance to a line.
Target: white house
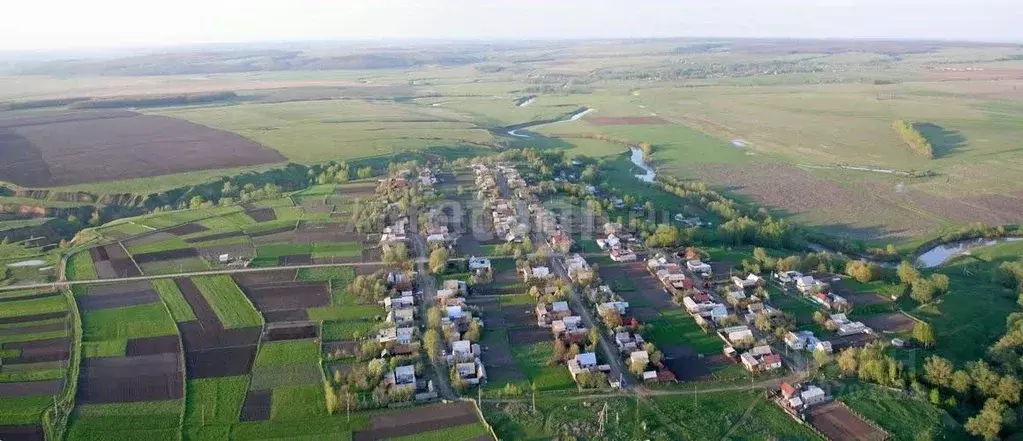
749	282
405	301
623	255
639	357
788	276
455	312
813	395
404	376
479	263
472	372
401	315
823	346
806	284
585	362
800	340
736	334
402	336
697	266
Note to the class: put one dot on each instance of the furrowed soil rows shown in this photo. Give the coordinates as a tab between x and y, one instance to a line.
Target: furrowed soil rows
84	147
217	236
93	302
50	327
293	332
32	318
287	296
261	214
837	422
22	433
167	344
130	379
223	362
894	322
29	297
112	262
685	363
417	420
30	388
186	229
38	351
257	406
211	350
253	280
160	256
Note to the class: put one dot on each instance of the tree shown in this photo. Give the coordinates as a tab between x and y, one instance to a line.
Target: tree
907	272
985	379
940	283
434	346
1008	390
923	291
863	272
473	333
847	361
923	333
988	423
438	260
364	173
938	371
961	382
637	369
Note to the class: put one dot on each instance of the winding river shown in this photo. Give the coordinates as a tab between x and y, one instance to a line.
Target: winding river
940	254
575	116
637	158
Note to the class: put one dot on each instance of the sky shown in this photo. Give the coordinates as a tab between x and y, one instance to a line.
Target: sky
37	25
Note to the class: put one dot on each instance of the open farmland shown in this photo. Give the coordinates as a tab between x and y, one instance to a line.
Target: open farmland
104	146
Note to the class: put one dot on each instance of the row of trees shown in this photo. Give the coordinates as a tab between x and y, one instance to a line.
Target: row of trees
913	138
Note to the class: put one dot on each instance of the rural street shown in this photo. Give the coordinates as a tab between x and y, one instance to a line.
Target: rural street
429	286
611	354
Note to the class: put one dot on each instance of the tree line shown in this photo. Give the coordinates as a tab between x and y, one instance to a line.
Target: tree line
913	138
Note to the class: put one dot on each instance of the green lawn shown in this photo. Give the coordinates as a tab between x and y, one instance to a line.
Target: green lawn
276	250
288	352
233	309
81	267
297	403
214	400
334	330
347	312
905	418
104	348
532	360
31	375
23	410
165	245
344	274
149	320
270	377
150	420
44	305
724	411
676	327
169	293
288	213
343	249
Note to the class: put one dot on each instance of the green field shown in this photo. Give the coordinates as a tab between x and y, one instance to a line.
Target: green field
81	267
175	301
532	360
233	309
288	352
149	320
212	401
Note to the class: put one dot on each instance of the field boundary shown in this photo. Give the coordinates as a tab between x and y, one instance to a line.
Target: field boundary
55	418
483	419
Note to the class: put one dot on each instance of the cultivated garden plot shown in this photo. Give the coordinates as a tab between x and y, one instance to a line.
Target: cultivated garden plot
112	261
836	421
35	347
421	420
211	348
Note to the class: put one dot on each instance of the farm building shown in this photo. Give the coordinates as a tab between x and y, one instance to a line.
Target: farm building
698	266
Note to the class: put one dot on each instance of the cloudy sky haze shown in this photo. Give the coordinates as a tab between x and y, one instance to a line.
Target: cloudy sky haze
72	24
